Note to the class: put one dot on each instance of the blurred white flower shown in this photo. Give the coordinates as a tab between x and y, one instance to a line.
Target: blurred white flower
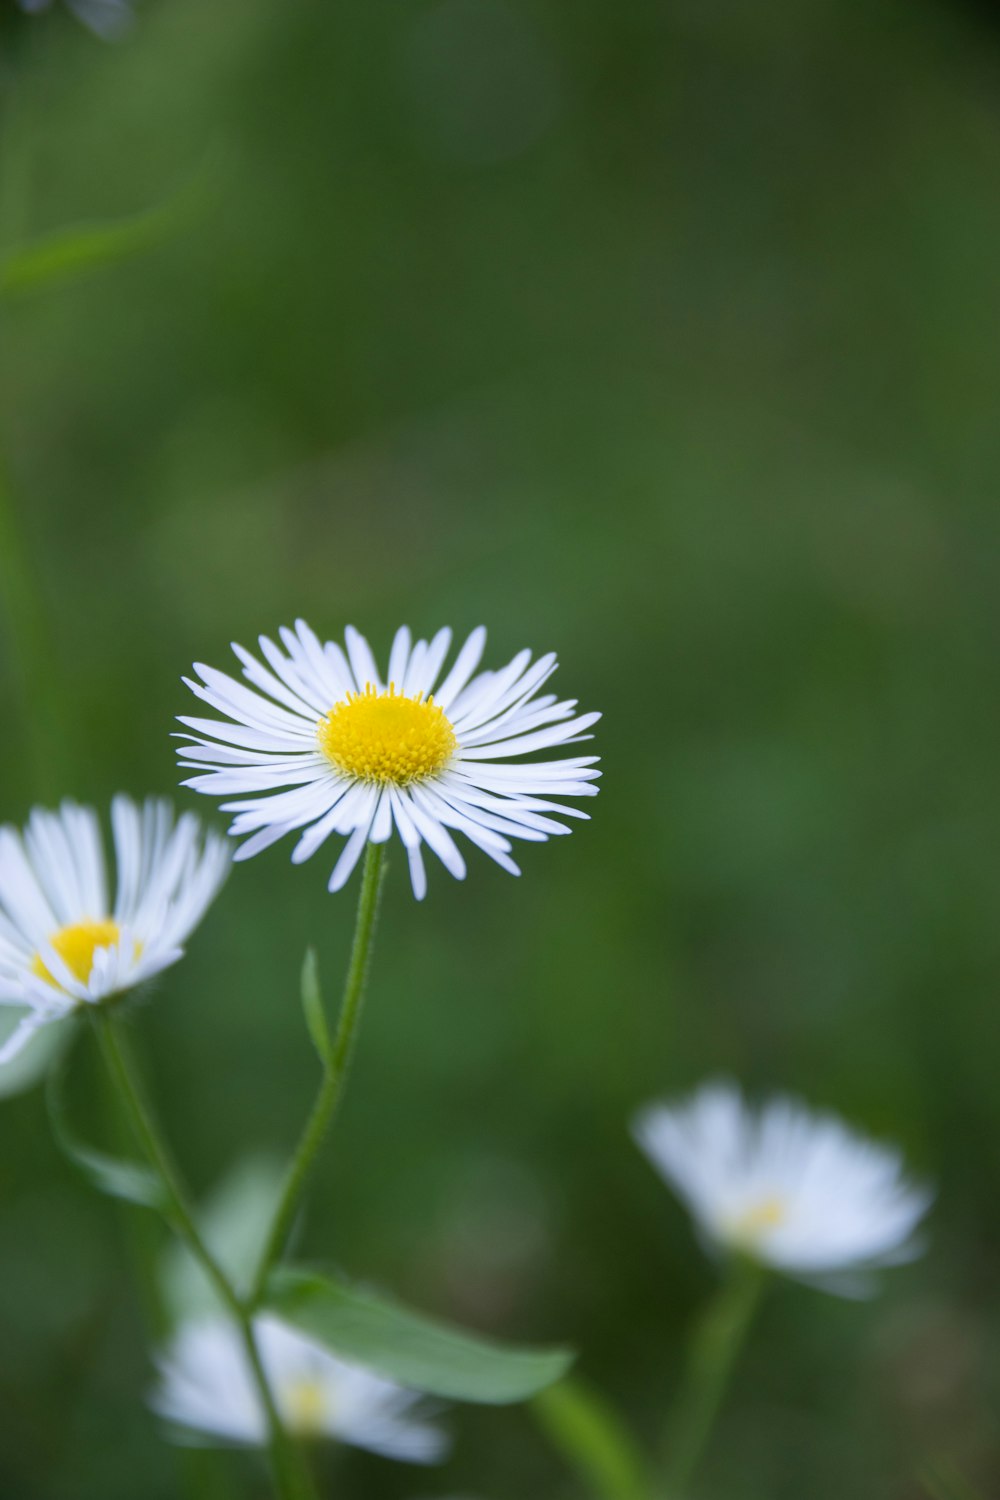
63	942
359	754
206	1386
107	18
796	1190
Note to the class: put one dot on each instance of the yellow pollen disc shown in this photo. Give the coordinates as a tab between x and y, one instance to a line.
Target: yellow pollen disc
768	1213
386	737
76	946
305	1407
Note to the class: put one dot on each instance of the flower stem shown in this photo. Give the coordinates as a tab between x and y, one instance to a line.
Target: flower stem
717	1342
290	1476
335	1070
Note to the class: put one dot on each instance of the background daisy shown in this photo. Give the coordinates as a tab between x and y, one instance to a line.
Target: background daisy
794	1189
324	744
205	1386
64	940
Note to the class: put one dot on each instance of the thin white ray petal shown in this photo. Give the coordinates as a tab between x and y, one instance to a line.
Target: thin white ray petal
465	664
475	703
433	661
320	831
495	706
244	704
330	676
418	874
559	734
415	668
20	1037
399	656
269	682
362	660
436	836
349	857
289	668
382	821
250	739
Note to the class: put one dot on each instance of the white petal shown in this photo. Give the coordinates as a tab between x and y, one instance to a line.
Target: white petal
362	661
465	664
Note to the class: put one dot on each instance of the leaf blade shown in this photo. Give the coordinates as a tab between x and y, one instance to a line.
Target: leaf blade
314	1009
63	255
132	1181
367	1328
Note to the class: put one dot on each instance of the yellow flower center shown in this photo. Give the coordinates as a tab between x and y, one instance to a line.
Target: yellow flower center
306	1409
76	946
749	1226
385	737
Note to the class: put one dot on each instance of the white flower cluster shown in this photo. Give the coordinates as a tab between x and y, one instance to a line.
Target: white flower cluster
319	743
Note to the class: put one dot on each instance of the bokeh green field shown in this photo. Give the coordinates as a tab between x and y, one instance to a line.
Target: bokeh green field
661	335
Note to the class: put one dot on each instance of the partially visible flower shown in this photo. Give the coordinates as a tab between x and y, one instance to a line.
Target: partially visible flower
107	18
64	942
206	1386
796	1190
324	743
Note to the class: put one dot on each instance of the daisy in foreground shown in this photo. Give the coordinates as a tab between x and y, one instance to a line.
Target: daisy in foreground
794	1190
206	1387
64	943
323	744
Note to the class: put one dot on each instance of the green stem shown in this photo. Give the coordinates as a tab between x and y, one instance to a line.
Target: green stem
334	1073
717	1342
593	1440
290	1476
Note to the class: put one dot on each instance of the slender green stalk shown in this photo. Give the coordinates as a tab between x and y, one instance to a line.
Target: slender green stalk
586	1430
291	1478
717	1342
334	1072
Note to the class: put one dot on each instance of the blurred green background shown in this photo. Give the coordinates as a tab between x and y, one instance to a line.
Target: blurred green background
664	335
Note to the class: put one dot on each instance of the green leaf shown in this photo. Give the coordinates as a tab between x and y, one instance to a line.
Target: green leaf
33	1062
363	1326
63	255
312	1005
234	1224
119	1178
582	1425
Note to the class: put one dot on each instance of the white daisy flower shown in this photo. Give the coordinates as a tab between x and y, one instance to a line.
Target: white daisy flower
798	1191
206	1386
63	942
359	754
